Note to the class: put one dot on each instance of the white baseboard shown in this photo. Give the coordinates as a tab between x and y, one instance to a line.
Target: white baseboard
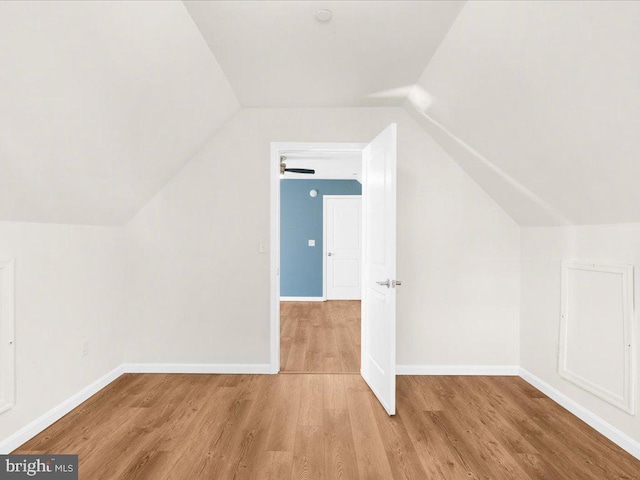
612	433
208	368
457	370
56	413
302	299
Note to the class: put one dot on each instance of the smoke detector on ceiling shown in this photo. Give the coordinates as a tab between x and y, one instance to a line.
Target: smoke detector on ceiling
324	15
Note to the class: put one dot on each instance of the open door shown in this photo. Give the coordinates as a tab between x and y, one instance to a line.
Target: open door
378	367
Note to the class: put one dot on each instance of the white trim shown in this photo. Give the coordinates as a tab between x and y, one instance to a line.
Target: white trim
302	299
324	245
626	401
274	187
511	370
612	433
56	413
205	368
7	335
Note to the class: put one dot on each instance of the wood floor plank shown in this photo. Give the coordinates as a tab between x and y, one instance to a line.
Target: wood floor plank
370	453
311	400
340	457
479	438
61	435
401	454
308	455
501	427
331	355
275	466
332	365
538	468
146	465
318	425
439	459
245	427
320	336
432	398
298	348
314	356
282	431
349	352
335	395
217	441
539	417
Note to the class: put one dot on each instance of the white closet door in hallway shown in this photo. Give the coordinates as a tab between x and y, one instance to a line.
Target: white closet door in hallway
343	246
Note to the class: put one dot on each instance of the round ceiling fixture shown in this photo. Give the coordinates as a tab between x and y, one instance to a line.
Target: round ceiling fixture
324	15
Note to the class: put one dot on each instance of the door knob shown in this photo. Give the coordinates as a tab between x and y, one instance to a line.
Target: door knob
329	254
390	283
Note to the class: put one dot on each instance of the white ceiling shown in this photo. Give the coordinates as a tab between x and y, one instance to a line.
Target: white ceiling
276	54
100	104
540	102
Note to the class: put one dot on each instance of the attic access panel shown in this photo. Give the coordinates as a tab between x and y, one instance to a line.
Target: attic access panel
596	331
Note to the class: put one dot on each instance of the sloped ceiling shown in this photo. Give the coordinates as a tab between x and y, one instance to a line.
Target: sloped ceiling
276	54
100	104
540	103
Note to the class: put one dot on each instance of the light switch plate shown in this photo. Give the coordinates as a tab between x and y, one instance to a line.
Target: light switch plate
312	243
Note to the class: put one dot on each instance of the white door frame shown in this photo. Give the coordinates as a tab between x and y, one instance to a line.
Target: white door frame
274	167
324	239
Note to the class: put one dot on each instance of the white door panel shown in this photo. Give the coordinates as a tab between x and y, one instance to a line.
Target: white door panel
346	272
379	266
343	247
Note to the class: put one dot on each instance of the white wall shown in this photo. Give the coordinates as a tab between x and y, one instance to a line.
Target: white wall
199	290
68	288
543	249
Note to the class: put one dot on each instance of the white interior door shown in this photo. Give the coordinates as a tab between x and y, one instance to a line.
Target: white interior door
378	353
343	246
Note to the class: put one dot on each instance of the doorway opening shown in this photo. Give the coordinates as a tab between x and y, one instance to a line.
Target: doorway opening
320	266
323	306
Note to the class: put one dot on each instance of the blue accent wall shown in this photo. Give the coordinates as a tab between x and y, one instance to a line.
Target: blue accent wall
301	221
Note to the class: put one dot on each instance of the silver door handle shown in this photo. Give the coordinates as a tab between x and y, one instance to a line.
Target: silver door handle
329	254
386	283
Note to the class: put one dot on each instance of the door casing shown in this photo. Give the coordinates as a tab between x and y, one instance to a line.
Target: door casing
274	236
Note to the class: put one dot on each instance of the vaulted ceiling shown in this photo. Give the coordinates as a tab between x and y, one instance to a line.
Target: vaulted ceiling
277	54
101	103
540	101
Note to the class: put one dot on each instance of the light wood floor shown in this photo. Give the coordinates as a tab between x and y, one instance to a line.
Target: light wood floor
320	336
310	426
